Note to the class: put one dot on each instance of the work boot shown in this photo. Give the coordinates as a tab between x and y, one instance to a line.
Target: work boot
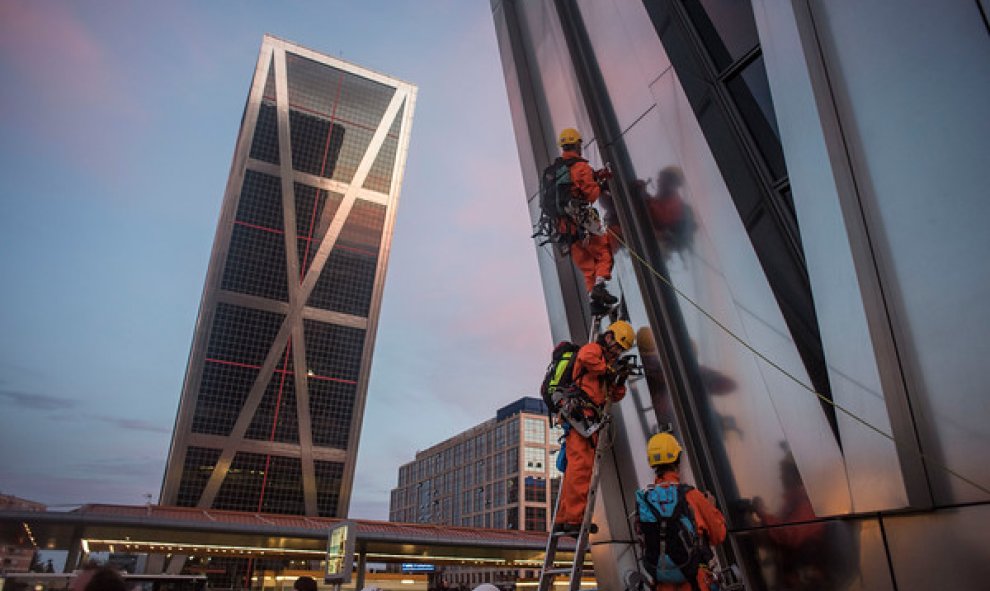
599	293
567	529
598	308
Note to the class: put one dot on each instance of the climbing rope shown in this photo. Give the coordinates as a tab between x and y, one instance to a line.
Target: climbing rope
786	373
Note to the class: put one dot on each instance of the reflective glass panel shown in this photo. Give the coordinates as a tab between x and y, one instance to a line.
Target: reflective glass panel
751	93
726	27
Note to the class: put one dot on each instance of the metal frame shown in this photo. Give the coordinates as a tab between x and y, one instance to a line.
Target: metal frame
273	54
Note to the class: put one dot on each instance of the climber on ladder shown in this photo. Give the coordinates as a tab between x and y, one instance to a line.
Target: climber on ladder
596	375
599	371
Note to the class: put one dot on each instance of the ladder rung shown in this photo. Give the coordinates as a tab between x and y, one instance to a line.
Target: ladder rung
557	571
565	534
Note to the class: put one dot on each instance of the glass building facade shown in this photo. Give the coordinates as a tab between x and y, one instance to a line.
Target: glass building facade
798	226
501	474
271	408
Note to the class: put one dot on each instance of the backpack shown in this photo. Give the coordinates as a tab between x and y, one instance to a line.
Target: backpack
556	191
673	549
560	374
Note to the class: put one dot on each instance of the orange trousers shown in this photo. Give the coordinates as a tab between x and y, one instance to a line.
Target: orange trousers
577	477
593	258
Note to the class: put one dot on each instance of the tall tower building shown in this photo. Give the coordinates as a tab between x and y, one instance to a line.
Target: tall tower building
274	394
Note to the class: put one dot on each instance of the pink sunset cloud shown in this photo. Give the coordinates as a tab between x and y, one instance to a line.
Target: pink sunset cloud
64	90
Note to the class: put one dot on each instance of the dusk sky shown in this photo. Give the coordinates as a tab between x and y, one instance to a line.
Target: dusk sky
117	127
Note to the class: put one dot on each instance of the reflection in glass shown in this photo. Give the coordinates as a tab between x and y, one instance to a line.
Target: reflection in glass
751	413
818	556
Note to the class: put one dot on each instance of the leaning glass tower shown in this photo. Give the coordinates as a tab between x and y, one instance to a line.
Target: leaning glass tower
274	393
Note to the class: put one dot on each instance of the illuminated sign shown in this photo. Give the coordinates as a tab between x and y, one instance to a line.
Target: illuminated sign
340	553
415	567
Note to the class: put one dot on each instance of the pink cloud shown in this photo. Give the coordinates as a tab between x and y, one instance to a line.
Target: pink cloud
54	52
65	93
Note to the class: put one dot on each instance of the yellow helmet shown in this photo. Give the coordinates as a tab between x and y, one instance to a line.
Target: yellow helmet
663	449
569	136
623	333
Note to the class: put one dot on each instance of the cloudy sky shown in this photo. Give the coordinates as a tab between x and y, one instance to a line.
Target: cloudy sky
117	128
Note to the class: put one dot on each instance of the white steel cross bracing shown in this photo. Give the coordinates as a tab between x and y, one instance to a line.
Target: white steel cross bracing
301	285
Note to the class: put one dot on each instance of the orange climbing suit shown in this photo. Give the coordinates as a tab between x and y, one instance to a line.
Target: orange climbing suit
593	255
589	373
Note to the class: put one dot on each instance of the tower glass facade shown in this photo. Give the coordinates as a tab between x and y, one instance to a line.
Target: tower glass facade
271	408
804	315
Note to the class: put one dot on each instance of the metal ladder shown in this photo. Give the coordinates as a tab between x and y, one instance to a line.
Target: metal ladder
548	573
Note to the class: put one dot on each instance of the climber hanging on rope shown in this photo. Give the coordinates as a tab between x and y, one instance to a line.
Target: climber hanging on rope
568	189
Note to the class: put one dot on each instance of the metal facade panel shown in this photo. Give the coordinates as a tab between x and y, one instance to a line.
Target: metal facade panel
863	380
949	549
824	556
622	36
562	286
722	275
912	107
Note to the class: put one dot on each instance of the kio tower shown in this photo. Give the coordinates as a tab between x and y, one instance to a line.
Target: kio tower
274	393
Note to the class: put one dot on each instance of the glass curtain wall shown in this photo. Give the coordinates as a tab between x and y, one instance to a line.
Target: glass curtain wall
716	337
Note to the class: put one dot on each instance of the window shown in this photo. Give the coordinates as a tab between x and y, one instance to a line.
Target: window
512	518
534	431
536	519
512	491
500	437
479	499
498	493
499	466
536	489
751	91
512	461
535	459
726	27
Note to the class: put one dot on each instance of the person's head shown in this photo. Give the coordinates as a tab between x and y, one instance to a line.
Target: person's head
304	584
94	577
570	140
664	453
619	337
669	179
